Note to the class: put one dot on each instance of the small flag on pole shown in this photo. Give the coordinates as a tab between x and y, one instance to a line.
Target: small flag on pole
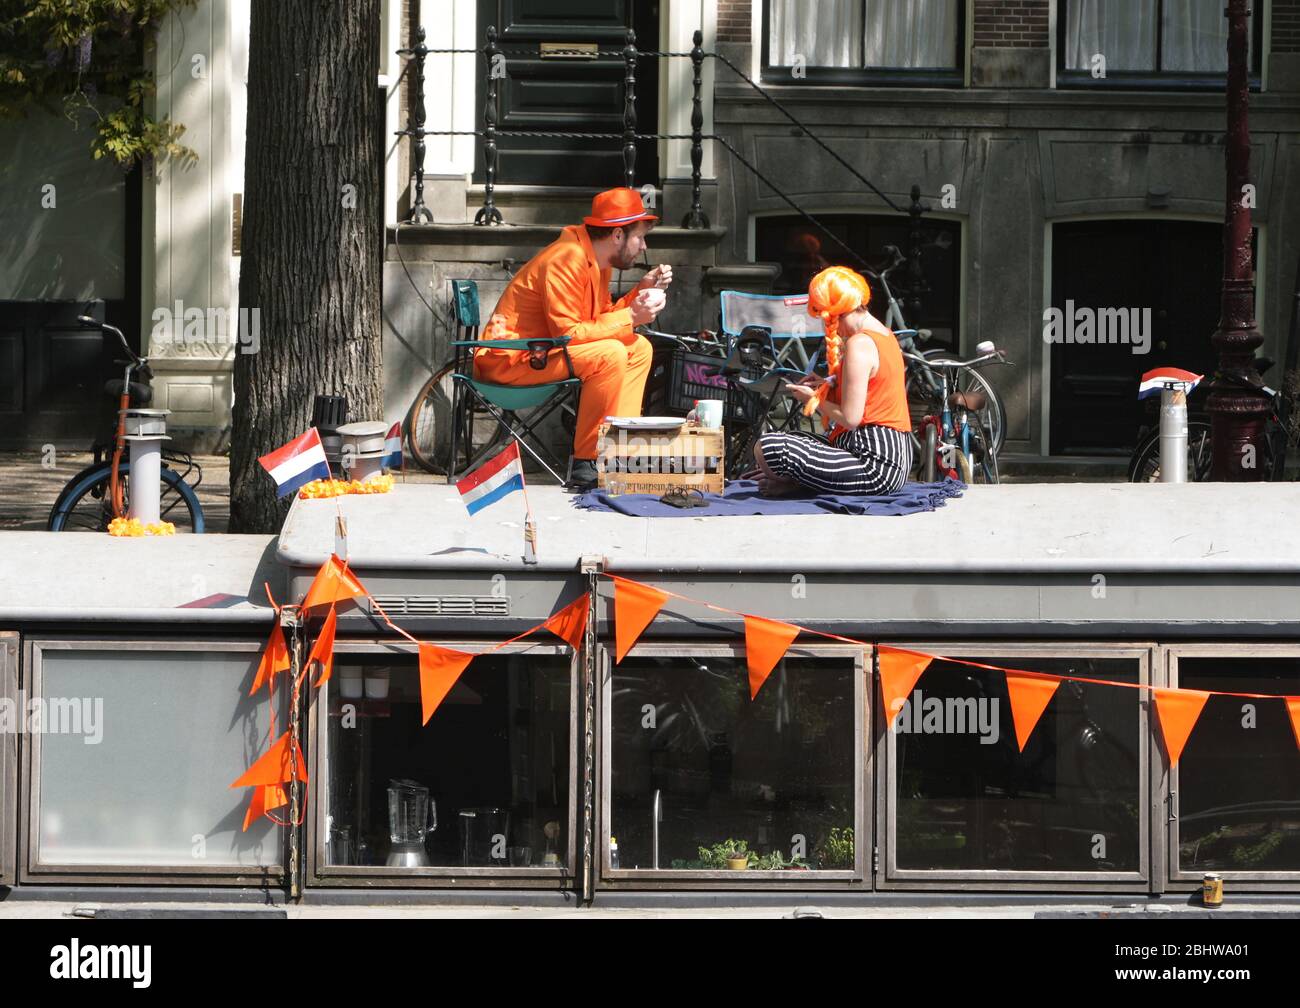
297	463
393	448
1155	380
499	477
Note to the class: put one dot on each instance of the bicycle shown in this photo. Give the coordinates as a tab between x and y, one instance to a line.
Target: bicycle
101	491
1144	463
922	382
958	439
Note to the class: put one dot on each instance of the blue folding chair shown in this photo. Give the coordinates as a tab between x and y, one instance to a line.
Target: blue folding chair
517	409
796	336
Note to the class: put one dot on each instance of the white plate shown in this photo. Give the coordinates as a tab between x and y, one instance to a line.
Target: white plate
645	422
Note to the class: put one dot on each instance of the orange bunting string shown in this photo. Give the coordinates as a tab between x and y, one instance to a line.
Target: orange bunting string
766	642
334	583
1029	697
440	667
635	605
899	671
323	650
275	659
274	766
265	798
1178	710
570	623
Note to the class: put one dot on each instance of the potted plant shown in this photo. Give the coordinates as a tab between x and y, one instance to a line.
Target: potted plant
730	855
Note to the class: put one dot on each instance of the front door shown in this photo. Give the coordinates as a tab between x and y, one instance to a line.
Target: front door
1169	271
70	232
543	90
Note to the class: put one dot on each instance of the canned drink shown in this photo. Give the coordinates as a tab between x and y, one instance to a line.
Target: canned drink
1212	890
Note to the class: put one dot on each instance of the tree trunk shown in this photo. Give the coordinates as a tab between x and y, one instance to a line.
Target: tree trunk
312	235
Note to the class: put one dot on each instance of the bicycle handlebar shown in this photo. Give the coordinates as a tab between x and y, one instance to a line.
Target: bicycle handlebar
91	323
997	356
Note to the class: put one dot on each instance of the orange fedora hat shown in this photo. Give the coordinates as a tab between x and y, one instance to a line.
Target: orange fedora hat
616	207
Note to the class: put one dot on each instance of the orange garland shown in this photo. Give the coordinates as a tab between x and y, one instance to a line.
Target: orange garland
133	527
337	488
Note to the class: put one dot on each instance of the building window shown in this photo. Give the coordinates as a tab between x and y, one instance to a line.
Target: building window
697	768
1148	43
863	41
134	767
483	786
802	250
1235	806
965	799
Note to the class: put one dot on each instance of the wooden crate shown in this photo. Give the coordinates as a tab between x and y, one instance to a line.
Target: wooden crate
654	462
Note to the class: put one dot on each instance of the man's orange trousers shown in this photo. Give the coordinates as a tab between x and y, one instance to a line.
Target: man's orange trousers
613	376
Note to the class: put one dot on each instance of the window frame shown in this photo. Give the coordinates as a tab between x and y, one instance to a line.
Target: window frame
1157	79
323	875
934	220
856	879
1178	879
31	871
927	77
9	685
891	877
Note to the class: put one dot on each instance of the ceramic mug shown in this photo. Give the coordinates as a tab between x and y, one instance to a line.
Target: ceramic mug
709	413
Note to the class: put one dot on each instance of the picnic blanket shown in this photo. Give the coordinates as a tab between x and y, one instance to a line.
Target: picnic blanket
741	497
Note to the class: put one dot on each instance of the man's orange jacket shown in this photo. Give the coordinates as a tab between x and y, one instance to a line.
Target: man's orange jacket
561	291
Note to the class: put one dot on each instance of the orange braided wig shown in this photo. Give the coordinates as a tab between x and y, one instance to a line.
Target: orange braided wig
835	291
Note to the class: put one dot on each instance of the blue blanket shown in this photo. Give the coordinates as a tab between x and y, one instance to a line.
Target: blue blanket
741	497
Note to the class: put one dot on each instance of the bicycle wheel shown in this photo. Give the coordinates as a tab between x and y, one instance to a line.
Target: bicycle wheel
83	506
983	463
929	453
428	421
1145	465
970	380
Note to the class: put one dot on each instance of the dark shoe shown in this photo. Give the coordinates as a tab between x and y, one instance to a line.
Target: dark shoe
582	475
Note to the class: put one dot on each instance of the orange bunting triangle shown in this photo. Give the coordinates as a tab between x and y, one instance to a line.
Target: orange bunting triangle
265	798
1178	710
275	659
334	583
323	650
899	671
440	667
1293	708
635	605
766	642
570	623
274	766
1029	696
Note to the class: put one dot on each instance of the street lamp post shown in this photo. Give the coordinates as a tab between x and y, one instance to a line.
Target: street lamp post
1236	405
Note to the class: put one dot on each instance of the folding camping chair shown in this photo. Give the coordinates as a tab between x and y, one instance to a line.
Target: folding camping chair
796	336
518	409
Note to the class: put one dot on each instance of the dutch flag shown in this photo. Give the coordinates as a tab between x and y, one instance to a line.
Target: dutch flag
297	463
393	447
1155	380
499	477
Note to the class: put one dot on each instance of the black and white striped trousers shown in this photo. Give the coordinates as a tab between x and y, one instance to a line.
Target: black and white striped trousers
868	460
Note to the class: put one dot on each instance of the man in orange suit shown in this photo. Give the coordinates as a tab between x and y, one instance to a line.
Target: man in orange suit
564	291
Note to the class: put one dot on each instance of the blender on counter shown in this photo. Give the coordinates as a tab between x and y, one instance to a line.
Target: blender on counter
412	816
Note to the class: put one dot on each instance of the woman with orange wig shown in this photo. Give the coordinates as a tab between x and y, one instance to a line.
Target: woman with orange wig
863	402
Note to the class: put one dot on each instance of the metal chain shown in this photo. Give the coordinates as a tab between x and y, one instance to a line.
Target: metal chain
589	744
804	129
866	268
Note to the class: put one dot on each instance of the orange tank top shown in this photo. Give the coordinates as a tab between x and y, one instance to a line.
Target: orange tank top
886	389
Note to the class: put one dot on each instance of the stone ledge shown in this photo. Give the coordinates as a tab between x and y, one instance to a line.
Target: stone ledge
520	242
